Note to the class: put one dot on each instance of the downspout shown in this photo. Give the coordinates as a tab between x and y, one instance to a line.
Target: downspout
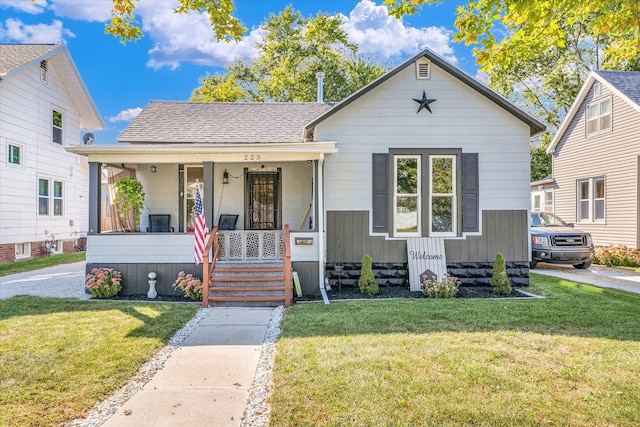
320	221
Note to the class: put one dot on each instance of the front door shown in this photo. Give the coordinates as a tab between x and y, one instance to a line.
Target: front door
263	207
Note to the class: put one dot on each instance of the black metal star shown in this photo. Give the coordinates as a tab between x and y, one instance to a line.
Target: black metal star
424	102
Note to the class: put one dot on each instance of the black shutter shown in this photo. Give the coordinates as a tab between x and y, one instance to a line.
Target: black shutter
380	196
470	193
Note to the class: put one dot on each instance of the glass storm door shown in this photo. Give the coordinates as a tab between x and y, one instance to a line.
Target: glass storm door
263	204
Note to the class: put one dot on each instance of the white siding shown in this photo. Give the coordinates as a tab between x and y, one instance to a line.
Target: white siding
613	155
25	118
462	119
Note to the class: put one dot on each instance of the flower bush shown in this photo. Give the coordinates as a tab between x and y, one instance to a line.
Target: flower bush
190	286
445	288
616	256
104	282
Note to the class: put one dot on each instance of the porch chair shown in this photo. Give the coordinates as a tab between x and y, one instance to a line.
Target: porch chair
227	222
160	223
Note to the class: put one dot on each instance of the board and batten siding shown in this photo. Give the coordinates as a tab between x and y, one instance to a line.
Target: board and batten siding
612	155
463	119
348	239
25	119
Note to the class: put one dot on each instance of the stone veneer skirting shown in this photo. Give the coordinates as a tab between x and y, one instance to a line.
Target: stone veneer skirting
397	274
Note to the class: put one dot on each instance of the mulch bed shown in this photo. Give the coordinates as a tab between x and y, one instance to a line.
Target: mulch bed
352	292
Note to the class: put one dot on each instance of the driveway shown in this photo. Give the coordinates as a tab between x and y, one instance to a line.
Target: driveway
62	281
598	275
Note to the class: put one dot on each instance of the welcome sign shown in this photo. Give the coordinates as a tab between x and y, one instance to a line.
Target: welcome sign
426	259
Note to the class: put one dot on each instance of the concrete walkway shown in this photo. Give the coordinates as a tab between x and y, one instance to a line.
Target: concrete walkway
206	380
598	275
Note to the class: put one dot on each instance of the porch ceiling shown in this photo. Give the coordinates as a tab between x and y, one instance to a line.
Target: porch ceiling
196	153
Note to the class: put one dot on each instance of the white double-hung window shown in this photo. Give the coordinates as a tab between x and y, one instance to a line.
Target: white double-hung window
442	195
50	197
407	195
591	200
599	116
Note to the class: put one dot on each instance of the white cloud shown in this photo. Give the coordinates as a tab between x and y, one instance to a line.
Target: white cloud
126	115
16	30
93	11
26	6
382	37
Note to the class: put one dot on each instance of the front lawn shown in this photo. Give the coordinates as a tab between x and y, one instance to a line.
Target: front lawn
569	359
58	357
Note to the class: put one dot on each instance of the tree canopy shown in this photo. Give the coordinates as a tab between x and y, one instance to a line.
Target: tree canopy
293	50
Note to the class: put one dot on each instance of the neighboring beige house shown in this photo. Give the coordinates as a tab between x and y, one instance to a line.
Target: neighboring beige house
424	151
596	159
44	107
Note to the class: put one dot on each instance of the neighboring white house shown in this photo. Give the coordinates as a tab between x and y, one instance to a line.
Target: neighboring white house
424	151
44	106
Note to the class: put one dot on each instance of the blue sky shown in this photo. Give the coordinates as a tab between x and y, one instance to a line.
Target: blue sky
179	49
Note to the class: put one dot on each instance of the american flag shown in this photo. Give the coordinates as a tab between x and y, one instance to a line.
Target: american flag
200	226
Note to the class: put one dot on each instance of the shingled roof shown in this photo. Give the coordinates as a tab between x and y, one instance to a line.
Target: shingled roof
15	56
627	82
221	122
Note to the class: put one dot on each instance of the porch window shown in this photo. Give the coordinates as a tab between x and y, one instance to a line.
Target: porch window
591	200
194	175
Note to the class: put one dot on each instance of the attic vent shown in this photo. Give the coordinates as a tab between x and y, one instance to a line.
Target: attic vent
423	69
43	71
597	89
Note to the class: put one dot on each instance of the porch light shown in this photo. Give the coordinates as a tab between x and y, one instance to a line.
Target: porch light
225	177
154	169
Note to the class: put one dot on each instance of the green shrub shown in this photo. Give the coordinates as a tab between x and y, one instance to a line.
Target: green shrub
367	281
616	256
499	279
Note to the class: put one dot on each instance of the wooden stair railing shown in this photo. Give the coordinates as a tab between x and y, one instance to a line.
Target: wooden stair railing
207	268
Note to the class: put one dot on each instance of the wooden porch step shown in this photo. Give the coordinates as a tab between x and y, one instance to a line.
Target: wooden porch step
247	270
246	298
247	289
247	278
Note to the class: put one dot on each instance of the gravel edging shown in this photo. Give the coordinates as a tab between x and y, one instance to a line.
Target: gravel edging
257	410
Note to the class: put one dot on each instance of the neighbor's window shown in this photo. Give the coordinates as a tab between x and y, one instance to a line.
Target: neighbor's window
406	199
536	202
14	154
599	116
57	126
58	199
43	196
591	200
23	250
442	194
548	201
48	202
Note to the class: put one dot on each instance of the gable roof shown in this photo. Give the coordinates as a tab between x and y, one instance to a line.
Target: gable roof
221	122
625	84
16	57
535	126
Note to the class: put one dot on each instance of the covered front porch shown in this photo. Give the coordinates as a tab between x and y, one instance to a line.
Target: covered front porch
249	195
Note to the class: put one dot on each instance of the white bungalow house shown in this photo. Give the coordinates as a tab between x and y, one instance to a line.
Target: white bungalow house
425	151
44	190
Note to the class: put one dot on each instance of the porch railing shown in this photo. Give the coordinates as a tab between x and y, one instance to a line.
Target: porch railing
208	267
251	245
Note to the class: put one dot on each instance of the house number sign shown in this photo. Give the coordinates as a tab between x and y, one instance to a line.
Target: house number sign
251	157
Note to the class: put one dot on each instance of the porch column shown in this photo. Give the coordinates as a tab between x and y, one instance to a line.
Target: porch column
320	221
95	196
207	177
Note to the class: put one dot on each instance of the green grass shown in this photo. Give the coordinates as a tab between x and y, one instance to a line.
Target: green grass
569	359
58	357
38	263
